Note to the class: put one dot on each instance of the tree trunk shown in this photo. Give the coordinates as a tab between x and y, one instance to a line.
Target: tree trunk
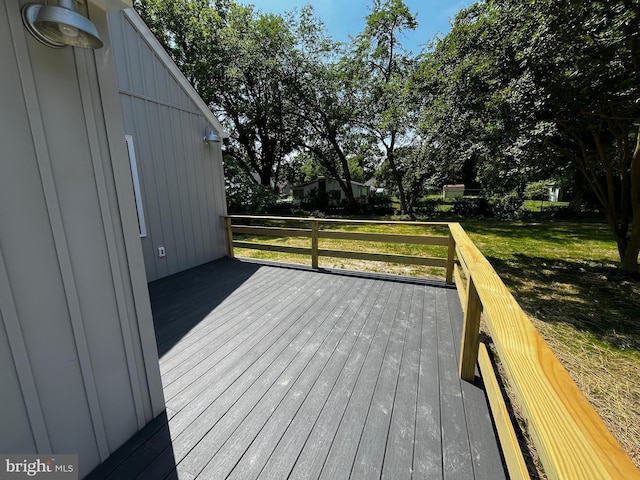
397	177
630	260
575	204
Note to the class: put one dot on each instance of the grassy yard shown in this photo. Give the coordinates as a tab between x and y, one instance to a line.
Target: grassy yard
564	275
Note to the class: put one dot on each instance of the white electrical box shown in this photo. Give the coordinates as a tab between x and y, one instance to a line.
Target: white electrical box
161	252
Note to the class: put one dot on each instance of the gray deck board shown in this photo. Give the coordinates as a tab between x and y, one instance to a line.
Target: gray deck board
275	373
398	458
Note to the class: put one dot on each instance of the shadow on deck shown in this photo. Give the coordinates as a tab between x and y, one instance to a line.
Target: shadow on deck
273	372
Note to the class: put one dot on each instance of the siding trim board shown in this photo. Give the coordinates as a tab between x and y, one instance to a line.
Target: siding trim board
149	369
57	228
137	193
109	231
159	102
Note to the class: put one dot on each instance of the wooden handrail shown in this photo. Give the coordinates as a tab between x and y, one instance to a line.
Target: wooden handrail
570	437
572	440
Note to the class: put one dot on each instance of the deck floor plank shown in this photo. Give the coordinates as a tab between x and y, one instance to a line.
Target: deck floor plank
263	396
217	329
231	341
370	456
285	395
398	458
309	436
456	452
273	373
319	375
278	322
339	461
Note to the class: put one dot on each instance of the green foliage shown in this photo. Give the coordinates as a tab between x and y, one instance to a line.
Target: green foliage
518	90
243	194
378	66
507	206
470	207
537	190
521	88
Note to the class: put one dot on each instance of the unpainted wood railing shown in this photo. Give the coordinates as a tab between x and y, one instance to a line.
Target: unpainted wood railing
571	439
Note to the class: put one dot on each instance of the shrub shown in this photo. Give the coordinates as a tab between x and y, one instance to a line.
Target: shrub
427	207
471	207
537	191
379	204
506	206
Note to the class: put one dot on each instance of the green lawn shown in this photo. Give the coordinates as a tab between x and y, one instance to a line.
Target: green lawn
565	276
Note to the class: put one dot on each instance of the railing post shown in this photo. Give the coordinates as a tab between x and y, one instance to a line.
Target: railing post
450	259
470	333
314	242
228	229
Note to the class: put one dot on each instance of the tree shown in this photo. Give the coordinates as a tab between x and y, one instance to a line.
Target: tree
237	60
529	85
379	67
590	90
323	103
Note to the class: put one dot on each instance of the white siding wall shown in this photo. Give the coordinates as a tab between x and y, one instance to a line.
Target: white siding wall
79	368
181	177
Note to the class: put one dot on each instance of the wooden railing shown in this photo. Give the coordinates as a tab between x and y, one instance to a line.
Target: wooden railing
571	439
315	233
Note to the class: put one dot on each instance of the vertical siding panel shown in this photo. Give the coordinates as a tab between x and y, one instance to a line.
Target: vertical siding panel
212	198
116	31
104	335
181	158
197	205
148	167
14	416
204	207
173	214
134	60
181	198
58	349
128	240
147	62
21	412
131	128
163	79
163	209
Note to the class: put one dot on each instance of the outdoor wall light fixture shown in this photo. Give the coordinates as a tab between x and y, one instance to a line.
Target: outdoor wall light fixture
59	26
211	136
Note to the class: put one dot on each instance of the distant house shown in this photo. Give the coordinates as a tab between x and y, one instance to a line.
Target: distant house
452	191
103	163
331	188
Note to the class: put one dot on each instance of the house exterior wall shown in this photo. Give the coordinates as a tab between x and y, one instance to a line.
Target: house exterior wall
79	366
181	177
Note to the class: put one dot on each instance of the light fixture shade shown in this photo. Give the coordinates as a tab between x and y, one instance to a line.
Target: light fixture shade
211	137
61	25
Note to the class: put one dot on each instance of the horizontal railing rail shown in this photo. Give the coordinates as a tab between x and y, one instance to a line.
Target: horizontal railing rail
315	233
570	437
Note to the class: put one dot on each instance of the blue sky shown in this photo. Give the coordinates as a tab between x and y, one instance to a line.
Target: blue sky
346	17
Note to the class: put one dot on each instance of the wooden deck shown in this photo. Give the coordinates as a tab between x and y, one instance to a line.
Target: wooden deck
278	373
